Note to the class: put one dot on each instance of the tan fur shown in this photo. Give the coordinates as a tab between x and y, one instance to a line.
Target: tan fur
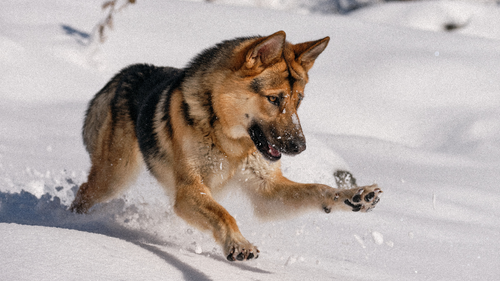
227	119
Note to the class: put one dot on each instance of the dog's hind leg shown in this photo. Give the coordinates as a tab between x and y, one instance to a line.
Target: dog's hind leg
115	163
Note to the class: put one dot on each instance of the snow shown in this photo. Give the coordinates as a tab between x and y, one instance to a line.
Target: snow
394	98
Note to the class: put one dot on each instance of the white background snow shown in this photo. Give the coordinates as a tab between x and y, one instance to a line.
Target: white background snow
394	97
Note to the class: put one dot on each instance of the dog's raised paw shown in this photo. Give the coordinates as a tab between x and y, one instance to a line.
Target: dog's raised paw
364	199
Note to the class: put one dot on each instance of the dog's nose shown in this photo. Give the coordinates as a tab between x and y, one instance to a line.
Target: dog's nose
296	147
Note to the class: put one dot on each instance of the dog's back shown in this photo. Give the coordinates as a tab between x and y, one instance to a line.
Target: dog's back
123	97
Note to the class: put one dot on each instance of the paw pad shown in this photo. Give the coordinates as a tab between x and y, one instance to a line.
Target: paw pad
364	199
242	255
355	208
370	196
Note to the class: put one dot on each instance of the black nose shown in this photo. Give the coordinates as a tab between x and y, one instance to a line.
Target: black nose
296	147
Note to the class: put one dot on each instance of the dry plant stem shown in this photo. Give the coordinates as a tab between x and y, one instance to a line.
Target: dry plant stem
107	22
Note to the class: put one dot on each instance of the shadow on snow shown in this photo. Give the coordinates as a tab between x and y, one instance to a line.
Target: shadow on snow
25	208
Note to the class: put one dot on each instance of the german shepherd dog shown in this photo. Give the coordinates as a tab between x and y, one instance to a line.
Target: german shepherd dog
230	114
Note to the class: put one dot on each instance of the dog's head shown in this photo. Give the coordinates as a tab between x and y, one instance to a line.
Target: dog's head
264	91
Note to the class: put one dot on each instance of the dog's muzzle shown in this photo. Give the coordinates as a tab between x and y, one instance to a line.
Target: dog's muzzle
272	151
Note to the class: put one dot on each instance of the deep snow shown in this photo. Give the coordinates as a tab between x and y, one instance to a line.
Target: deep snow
394	98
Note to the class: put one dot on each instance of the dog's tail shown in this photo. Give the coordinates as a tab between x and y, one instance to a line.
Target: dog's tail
98	111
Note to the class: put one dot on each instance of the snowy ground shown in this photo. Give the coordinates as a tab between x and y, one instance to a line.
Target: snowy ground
394	97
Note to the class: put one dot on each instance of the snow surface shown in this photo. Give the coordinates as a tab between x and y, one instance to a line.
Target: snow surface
394	97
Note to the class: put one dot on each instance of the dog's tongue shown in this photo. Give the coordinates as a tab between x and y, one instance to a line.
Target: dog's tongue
273	151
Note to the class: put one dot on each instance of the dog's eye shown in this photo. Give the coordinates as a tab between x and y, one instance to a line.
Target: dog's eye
300	100
274	100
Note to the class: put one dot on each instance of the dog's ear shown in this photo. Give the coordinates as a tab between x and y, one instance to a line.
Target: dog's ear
307	52
265	50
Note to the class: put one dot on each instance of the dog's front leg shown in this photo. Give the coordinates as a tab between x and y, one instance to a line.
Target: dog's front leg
194	203
274	195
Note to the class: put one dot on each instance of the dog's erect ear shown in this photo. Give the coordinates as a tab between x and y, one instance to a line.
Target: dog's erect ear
266	50
307	52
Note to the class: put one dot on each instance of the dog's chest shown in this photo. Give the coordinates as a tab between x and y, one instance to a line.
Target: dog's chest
216	168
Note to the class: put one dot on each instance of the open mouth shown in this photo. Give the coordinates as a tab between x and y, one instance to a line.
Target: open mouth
260	141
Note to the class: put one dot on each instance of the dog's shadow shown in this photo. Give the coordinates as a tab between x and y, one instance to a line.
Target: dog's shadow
25	208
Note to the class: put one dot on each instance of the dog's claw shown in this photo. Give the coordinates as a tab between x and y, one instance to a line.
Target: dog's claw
230	257
327	209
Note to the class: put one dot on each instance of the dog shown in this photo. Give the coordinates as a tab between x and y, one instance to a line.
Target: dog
231	113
